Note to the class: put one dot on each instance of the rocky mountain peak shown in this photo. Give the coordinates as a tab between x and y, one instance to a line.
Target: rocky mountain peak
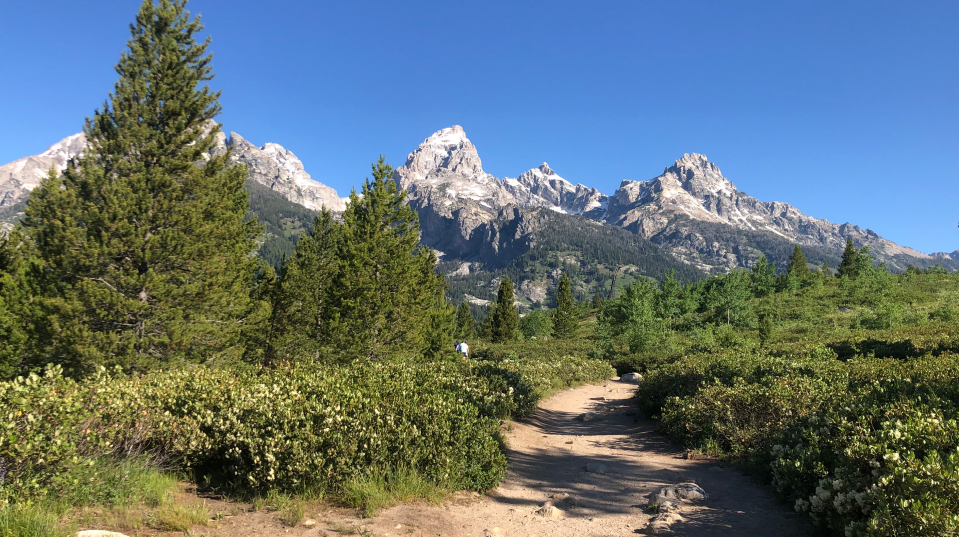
447	151
698	176
278	168
21	176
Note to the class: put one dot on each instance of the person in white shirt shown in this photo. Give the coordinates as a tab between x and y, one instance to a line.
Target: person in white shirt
465	349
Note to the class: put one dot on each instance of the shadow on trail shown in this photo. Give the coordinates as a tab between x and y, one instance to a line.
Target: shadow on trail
560	465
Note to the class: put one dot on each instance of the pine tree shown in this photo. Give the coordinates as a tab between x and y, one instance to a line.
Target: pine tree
14	306
765	329
564	321
465	323
300	298
504	321
363	288
797	264
849	265
142	255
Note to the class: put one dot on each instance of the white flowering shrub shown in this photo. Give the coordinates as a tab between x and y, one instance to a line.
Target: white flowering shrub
885	463
868	447
289	428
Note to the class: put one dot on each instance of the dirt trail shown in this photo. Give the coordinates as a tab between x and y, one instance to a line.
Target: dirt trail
548	455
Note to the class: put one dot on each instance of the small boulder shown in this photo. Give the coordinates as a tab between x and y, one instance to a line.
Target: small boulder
595	467
548	510
589	416
631	377
683	491
661	524
566	499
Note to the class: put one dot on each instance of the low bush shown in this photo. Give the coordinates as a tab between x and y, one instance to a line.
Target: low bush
295	428
869	446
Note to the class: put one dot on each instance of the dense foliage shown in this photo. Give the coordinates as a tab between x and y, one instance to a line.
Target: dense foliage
360	287
305	426
843	392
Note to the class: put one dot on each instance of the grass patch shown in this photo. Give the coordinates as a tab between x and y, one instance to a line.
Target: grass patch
106	482
30	521
180	517
379	491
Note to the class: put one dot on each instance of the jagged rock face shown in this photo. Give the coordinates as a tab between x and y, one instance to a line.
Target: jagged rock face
542	187
695	189
271	165
447	169
21	176
458	203
471	214
278	168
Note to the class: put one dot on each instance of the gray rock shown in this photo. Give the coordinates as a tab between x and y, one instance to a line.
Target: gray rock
631	377
675	493
695	191
595	467
589	416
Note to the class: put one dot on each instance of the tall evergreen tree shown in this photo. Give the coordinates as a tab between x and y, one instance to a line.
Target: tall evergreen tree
465	322
363	288
797	264
141	252
564	321
504	319
849	265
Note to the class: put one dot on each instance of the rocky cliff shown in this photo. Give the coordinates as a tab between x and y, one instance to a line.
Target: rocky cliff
271	165
671	208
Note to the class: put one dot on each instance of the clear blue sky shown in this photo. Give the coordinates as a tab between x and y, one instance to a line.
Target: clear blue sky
847	110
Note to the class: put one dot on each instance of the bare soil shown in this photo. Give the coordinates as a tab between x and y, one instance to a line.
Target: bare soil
548	455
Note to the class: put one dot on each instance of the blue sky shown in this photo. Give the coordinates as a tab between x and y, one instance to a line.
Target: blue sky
847	110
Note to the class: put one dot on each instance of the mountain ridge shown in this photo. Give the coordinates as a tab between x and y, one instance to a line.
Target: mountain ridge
469	214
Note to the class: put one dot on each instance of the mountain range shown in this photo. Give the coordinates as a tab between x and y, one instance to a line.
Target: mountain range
691	218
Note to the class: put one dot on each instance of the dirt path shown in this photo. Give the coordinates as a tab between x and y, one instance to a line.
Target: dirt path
548	456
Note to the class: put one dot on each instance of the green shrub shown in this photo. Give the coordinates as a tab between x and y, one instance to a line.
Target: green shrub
301	427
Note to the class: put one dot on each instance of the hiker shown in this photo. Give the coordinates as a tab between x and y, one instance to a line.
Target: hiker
465	349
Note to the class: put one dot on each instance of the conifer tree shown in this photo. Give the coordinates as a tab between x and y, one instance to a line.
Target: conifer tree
765	329
363	288
465	323
504	319
564	321
300	299
849	264
141	252
797	264
441	327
